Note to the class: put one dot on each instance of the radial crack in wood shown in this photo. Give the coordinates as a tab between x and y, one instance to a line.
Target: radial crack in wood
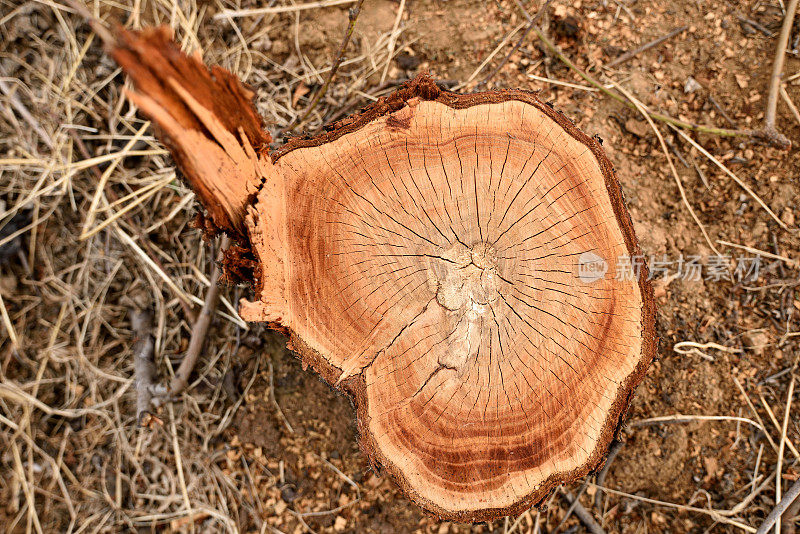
453	262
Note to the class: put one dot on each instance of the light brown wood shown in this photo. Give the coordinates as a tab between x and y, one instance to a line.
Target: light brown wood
430	257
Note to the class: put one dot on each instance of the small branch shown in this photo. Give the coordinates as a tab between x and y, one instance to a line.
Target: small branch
353	15
775	78
583	514
647	46
788	517
531	24
753	24
144	366
776	513
571	509
601	476
180	381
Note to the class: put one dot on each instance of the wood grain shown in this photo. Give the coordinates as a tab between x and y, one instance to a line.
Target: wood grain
429	256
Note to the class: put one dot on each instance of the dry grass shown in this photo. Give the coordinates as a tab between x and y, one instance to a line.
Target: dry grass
109	230
104	227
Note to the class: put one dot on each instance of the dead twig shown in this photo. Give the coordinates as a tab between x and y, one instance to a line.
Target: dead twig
753	24
531	24
641	108
180	381
788	517
788	499
733	176
627	56
601	476
583	514
770	131
353	16
144	366
721	516
571	509
788	261
724	132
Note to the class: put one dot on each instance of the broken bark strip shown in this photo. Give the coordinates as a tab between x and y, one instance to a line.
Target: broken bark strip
451	261
207	121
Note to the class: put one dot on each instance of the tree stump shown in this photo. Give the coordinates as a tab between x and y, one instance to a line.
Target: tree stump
451	261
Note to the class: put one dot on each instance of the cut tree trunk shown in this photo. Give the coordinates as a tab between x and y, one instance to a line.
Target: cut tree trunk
454	262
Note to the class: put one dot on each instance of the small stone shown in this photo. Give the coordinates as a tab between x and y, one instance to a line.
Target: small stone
288	494
741	80
657	518
787	216
756	341
691	85
637	128
340	524
407	62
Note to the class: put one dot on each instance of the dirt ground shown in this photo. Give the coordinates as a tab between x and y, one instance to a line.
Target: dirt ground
259	444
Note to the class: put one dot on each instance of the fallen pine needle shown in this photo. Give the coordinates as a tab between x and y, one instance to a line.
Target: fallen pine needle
779	469
486	61
721	516
104	178
233	13
790	103
788	261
